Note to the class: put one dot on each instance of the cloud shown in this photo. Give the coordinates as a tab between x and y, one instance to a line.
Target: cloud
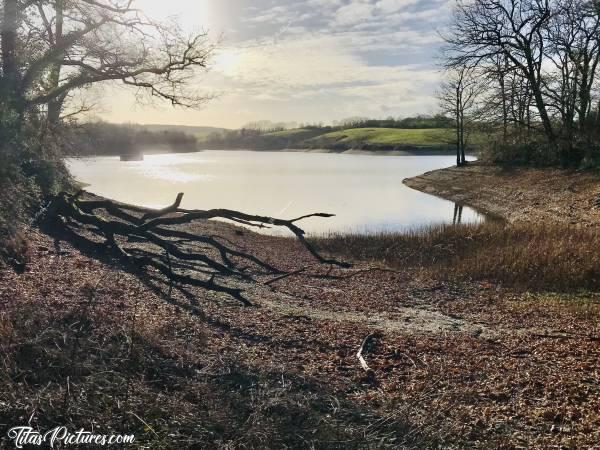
322	60
354	13
392	6
321	70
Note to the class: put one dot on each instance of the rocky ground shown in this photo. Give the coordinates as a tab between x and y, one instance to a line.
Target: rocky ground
454	364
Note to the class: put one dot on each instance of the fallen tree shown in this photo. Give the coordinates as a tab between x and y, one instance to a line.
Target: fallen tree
167	248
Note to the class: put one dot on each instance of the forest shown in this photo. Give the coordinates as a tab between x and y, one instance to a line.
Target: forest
531	69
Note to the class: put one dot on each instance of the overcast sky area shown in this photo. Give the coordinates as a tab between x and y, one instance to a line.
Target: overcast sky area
303	61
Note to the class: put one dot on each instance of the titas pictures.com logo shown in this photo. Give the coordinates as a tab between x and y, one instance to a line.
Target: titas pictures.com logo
61	436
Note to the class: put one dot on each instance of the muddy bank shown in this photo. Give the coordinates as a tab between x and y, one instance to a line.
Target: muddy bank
518	194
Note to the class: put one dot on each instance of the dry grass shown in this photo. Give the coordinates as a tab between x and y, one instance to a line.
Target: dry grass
87	345
546	257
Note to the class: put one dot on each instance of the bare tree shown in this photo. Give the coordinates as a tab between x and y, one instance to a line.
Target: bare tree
574	51
51	48
485	30
544	57
458	98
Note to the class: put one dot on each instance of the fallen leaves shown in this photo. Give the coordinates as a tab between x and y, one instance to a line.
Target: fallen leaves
513	384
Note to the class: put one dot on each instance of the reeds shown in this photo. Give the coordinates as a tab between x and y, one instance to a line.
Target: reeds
537	256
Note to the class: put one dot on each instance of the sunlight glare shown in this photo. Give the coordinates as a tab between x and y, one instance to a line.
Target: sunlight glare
227	61
193	15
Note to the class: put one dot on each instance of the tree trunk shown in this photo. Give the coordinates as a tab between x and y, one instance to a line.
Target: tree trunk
9	41
10	74
11	102
458	125
463	160
504	105
541	107
55	106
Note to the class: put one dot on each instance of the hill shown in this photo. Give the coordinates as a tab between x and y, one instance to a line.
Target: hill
368	139
387	136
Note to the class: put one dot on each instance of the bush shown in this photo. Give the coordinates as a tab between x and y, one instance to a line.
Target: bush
530	153
30	172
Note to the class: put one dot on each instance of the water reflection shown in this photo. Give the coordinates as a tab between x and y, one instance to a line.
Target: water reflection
458	212
365	192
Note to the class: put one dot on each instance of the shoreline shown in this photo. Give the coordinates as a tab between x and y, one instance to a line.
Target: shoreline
353	151
198	354
358	151
518	194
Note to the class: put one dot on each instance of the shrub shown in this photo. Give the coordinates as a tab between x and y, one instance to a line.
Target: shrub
31	170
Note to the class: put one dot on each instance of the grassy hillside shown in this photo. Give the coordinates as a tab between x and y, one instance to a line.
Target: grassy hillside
366	138
389	136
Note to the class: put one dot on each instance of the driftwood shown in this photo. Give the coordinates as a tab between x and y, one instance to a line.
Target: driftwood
177	259
359	355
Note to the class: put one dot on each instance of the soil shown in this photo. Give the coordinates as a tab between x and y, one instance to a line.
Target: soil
518	194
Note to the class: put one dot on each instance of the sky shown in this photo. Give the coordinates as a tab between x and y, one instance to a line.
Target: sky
302	61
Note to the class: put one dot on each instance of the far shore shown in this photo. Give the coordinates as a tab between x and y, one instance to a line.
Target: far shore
356	151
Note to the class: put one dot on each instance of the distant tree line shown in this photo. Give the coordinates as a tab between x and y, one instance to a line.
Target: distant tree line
101	138
417	122
527	71
261	139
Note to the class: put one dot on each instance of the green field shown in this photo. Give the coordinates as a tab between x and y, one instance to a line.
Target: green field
390	136
369	139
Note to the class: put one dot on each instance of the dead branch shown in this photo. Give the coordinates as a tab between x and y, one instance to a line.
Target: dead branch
285	275
365	343
164	211
181	257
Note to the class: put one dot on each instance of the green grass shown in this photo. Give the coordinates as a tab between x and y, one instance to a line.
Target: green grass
391	136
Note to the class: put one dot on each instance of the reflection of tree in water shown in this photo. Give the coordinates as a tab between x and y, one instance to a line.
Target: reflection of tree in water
458	212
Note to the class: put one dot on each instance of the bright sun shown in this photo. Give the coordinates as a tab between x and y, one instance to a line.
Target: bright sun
227	61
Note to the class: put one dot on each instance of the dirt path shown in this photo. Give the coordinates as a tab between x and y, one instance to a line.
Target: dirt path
518	194
405	319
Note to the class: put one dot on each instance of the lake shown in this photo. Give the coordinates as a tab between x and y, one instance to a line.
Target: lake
365	192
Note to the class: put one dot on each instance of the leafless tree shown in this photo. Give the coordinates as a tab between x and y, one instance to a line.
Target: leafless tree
458	98
545	57
573	49
52	48
485	30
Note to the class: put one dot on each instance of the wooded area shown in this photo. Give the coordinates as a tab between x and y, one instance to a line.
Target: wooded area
528	69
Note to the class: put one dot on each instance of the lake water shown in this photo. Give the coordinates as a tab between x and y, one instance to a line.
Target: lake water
365	192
